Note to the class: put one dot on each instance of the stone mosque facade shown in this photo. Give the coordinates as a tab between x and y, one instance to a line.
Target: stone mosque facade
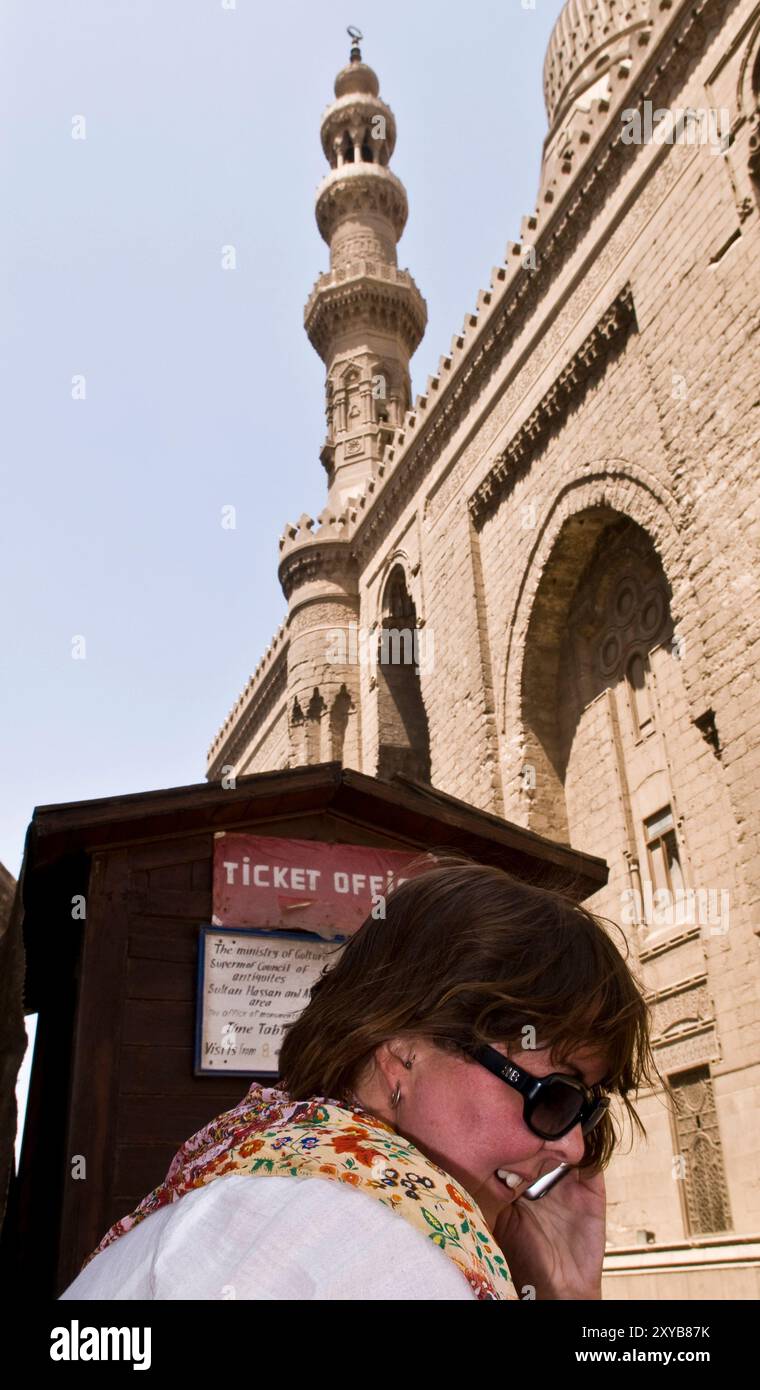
536	586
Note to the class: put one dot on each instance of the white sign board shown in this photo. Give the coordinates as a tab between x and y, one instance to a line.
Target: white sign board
251	984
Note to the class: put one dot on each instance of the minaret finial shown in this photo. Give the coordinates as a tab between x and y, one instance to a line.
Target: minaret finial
356	37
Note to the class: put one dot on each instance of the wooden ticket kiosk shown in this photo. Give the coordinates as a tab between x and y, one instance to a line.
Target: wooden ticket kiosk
114	1086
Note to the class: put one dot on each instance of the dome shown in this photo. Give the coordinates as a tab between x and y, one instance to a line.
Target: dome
357	77
589	39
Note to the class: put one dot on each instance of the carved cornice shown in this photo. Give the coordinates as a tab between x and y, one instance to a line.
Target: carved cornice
318	557
331	527
328	563
365	292
606	338
359	189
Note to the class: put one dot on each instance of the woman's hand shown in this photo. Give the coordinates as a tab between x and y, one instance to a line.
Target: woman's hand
556	1245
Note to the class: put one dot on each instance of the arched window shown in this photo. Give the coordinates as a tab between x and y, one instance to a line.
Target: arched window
389	394
404	740
381	389
342	708
314	713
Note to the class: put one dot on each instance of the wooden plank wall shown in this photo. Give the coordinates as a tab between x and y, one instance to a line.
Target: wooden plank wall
161	1102
134	1097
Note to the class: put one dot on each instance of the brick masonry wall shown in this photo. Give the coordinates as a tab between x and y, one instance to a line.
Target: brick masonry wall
272	750
668	437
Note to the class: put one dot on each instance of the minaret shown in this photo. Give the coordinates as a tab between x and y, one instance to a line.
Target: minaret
364	317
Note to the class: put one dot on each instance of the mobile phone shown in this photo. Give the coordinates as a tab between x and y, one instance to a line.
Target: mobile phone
541	1186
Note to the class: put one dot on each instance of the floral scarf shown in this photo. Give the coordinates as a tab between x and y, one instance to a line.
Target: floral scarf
268	1132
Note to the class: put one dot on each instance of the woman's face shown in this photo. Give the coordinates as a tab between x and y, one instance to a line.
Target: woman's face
469	1121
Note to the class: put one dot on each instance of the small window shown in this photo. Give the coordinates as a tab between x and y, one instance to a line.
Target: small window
638	692
662	852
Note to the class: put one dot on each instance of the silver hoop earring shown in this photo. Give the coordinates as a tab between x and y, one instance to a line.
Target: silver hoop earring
396	1097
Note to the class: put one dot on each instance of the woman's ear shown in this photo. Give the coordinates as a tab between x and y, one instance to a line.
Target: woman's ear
386	1059
392	1056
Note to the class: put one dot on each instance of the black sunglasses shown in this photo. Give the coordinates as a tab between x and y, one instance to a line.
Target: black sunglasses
553	1104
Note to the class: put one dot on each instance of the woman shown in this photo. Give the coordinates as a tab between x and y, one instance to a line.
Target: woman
407	1096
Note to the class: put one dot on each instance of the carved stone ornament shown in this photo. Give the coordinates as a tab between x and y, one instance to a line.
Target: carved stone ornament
606	338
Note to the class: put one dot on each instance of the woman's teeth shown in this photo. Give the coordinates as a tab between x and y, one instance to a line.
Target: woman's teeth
511	1179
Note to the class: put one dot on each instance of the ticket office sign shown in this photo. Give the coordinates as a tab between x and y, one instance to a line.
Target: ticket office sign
252	982
306	885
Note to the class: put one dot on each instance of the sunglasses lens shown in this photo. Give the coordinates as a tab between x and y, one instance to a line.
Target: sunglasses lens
558	1107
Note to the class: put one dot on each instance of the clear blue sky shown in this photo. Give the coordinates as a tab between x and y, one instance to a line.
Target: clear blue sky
202	390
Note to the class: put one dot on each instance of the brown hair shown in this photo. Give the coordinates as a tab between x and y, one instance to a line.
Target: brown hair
465	954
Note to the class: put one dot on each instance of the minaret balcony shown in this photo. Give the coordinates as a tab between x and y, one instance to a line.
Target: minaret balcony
362	294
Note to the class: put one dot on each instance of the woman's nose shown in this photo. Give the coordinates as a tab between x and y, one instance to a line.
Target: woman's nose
571	1147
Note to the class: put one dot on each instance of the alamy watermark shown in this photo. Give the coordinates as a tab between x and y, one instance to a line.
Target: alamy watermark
77	1343
677	125
355	645
680	907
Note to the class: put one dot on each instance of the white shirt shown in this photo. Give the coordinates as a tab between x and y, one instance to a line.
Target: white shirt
272	1237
